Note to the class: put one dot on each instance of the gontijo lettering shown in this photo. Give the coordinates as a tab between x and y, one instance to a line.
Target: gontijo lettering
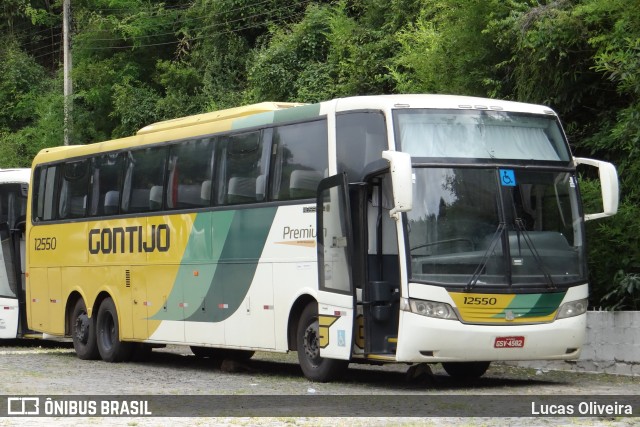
129	239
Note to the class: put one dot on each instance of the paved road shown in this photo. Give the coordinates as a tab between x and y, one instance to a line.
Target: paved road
42	368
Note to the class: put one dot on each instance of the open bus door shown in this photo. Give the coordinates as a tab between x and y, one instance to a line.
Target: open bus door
9	310
13	313
336	298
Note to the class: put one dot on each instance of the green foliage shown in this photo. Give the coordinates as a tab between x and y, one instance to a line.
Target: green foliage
448	50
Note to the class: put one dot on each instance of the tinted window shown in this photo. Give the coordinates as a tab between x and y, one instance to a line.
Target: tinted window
107	182
144	180
74	189
360	140
243	169
190	169
45	193
300	160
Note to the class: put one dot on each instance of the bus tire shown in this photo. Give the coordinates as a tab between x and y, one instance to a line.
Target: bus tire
314	367
108	332
466	369
83	332
221	353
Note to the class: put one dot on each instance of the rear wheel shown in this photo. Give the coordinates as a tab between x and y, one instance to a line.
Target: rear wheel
313	366
466	369
83	332
108	332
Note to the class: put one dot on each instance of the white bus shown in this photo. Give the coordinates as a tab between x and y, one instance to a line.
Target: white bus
399	228
14	185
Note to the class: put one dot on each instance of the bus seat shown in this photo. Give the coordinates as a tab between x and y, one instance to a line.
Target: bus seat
155	197
303	184
261	185
189	195
77	206
241	190
139	201
205	192
111	200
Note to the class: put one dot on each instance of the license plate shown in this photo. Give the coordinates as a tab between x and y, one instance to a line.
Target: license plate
509	342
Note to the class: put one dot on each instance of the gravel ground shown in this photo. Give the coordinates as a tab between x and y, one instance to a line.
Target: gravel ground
43	368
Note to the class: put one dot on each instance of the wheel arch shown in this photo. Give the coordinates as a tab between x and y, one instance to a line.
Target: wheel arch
72	300
294	318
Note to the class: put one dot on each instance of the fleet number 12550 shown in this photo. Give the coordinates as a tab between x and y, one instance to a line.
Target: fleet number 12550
45	243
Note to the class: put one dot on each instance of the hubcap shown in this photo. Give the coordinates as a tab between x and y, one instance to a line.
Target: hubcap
82	328
311	347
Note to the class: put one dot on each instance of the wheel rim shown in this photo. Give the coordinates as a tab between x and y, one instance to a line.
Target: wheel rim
82	328
311	343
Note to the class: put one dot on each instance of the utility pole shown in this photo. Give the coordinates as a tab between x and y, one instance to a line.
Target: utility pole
68	88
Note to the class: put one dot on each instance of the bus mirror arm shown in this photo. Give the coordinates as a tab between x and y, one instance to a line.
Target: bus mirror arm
401	180
608	184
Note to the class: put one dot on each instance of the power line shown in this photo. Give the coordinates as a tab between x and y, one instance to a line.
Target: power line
297	14
194	20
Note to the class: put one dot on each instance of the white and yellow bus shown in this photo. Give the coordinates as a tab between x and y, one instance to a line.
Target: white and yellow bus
14	185
399	228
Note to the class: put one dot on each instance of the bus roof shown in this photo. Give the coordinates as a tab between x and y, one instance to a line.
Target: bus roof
17	175
454	102
215	116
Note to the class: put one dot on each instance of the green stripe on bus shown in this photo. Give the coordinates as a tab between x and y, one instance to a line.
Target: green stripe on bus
224	248
533	305
278	116
237	265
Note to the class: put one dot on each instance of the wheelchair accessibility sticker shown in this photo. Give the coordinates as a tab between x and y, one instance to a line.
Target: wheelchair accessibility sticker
507	177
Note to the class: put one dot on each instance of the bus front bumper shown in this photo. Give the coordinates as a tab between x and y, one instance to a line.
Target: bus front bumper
424	339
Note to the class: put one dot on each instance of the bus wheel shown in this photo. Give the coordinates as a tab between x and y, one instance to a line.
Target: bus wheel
466	369
83	333
221	353
108	332
313	366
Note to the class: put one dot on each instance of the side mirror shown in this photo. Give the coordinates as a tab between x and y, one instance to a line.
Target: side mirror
401	180
608	184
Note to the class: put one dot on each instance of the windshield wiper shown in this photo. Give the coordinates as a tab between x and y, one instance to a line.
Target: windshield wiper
527	239
485	257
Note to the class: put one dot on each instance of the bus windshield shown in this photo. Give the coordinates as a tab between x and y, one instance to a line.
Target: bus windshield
480	134
464	220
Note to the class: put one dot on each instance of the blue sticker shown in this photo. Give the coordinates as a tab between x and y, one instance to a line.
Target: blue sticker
342	342
507	177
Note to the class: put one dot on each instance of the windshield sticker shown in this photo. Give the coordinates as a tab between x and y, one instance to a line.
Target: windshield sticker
507	177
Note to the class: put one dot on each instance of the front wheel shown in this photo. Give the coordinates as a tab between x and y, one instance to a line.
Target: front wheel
313	366
108	334
466	369
83	332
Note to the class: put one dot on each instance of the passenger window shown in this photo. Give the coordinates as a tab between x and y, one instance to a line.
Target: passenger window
74	189
144	180
45	191
244	166
107	183
299	161
190	170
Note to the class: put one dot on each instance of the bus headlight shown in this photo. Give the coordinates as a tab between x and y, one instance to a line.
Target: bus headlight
438	310
573	308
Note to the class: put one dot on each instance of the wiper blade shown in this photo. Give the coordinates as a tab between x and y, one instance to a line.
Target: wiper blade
485	257
527	239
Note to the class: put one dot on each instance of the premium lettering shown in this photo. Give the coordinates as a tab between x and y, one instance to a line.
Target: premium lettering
129	239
